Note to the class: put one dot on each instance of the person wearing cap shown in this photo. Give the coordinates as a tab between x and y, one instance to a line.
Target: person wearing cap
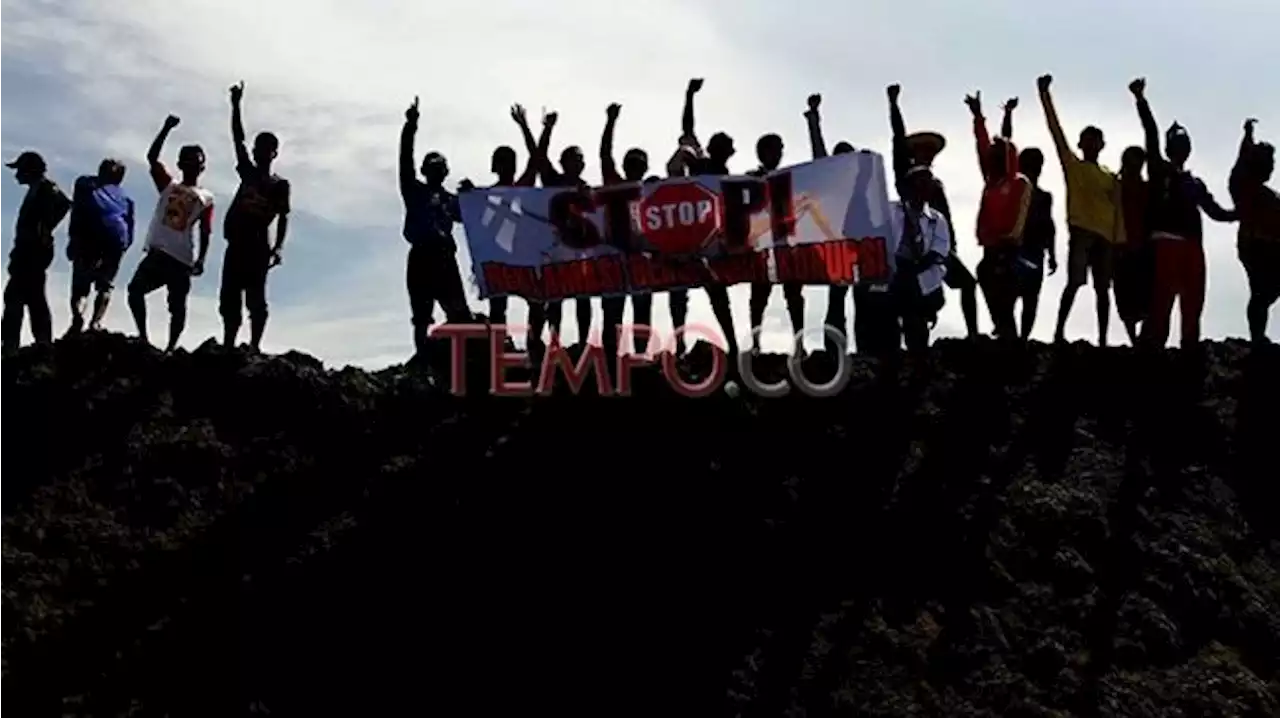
1177	231
42	209
1258	243
171	259
1002	216
503	163
714	161
920	148
430	211
1094	219
920	257
769	152
100	231
635	165
262	198
836	293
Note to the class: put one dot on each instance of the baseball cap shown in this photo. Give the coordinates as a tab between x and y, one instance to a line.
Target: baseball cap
28	161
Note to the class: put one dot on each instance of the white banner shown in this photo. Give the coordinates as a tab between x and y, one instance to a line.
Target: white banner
821	222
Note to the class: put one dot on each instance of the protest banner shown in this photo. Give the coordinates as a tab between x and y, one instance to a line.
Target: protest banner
821	222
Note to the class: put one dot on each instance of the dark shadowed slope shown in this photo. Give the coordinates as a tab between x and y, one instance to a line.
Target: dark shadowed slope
1041	533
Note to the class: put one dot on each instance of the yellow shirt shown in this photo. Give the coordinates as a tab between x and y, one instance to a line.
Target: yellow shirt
1092	189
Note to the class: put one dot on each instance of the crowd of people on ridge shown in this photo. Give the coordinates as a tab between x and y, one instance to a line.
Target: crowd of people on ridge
1142	235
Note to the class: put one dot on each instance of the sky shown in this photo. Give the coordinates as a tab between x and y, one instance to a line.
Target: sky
84	80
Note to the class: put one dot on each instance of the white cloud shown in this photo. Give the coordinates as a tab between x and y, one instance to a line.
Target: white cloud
332	79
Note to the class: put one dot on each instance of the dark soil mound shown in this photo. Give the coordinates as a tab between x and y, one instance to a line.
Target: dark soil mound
1000	532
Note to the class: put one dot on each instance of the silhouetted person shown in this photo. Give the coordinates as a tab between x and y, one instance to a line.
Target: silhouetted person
678	299
715	162
921	257
1038	241
1002	217
635	165
101	229
171	259
920	148
837	293
1134	263
430	212
572	163
1258	242
769	153
503	164
42	209
263	197
1094	222
1177	231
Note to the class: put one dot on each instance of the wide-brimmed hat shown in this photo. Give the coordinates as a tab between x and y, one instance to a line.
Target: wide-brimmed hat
925	145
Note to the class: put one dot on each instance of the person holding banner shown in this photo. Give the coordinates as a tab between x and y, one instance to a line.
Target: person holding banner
920	148
430	212
714	162
769	152
921	257
569	176
503	164
635	165
1002	217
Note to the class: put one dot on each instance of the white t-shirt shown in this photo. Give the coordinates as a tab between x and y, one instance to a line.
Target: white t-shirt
178	211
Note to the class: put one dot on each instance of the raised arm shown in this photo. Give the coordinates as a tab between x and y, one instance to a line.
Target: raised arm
609	168
901	155
1150	132
687	119
1065	154
530	175
159	175
982	140
814	120
1242	157
237	126
408	178
550	177
1006	125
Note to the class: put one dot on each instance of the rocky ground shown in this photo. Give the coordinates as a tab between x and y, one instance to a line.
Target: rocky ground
1050	532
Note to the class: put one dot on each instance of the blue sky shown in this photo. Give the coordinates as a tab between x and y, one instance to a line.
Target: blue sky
83	80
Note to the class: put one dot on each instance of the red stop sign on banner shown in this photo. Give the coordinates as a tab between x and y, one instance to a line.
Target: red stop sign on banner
679	218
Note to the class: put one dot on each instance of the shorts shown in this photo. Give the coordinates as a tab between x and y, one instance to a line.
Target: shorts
158	269
95	268
244	278
958	276
1089	253
1261	260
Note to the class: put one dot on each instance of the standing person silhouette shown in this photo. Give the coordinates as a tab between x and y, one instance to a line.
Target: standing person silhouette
1039	234
430	212
635	165
837	294
921	258
171	258
1258	243
1177	230
572	164
715	162
42	210
1094	220
920	148
263	197
503	164
769	151
1134	263
101	230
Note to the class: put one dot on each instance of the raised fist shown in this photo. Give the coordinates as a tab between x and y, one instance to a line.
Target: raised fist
974	102
411	114
1138	86
894	90
518	114
1011	104
549	118
814	100
171	121
612	111
237	91
1249	123
1043	82
694	85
